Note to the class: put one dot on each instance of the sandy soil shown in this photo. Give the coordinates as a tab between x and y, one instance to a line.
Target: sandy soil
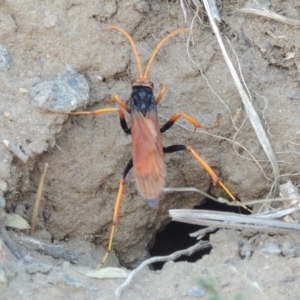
59	55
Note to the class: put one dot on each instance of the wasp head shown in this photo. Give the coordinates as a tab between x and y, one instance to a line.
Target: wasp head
142	98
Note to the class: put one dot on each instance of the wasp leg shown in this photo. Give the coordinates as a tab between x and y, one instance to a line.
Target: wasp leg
203	163
116	98
196	124
161	93
98	112
116	212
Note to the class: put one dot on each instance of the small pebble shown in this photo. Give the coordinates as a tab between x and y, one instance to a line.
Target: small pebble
195	292
16	151
27	259
23	91
50	21
290	250
68	92
272	249
7	115
34	268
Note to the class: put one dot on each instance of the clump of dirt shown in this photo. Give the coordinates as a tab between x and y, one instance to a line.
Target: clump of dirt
86	155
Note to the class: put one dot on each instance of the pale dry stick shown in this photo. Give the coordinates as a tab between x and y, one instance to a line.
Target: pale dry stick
252	114
187	252
231	220
38	199
271	15
225	139
183	10
214	10
213	7
199	234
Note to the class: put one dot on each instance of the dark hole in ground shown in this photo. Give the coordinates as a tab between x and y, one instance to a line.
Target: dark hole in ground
176	237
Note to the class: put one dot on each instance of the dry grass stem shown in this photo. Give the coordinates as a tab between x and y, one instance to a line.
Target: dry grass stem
183	10
38	199
266	13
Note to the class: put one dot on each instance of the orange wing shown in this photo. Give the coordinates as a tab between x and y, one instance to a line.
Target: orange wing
147	154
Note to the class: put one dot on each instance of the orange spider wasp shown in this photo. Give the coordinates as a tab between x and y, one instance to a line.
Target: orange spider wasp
147	161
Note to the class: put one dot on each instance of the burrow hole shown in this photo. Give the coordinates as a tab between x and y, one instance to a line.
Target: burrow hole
175	236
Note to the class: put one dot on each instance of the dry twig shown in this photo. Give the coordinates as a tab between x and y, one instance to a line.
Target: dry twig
173	256
38	199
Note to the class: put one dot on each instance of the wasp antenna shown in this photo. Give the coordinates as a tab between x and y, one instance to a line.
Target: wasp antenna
160	44
134	48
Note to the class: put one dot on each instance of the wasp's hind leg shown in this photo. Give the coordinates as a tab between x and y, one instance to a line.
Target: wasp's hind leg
204	164
116	211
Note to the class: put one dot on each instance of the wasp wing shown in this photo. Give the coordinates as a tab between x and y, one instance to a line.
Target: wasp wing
147	154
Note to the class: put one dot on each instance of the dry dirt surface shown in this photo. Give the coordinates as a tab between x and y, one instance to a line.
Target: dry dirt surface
59	55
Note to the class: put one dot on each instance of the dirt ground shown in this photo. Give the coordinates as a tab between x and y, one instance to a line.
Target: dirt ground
59	55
